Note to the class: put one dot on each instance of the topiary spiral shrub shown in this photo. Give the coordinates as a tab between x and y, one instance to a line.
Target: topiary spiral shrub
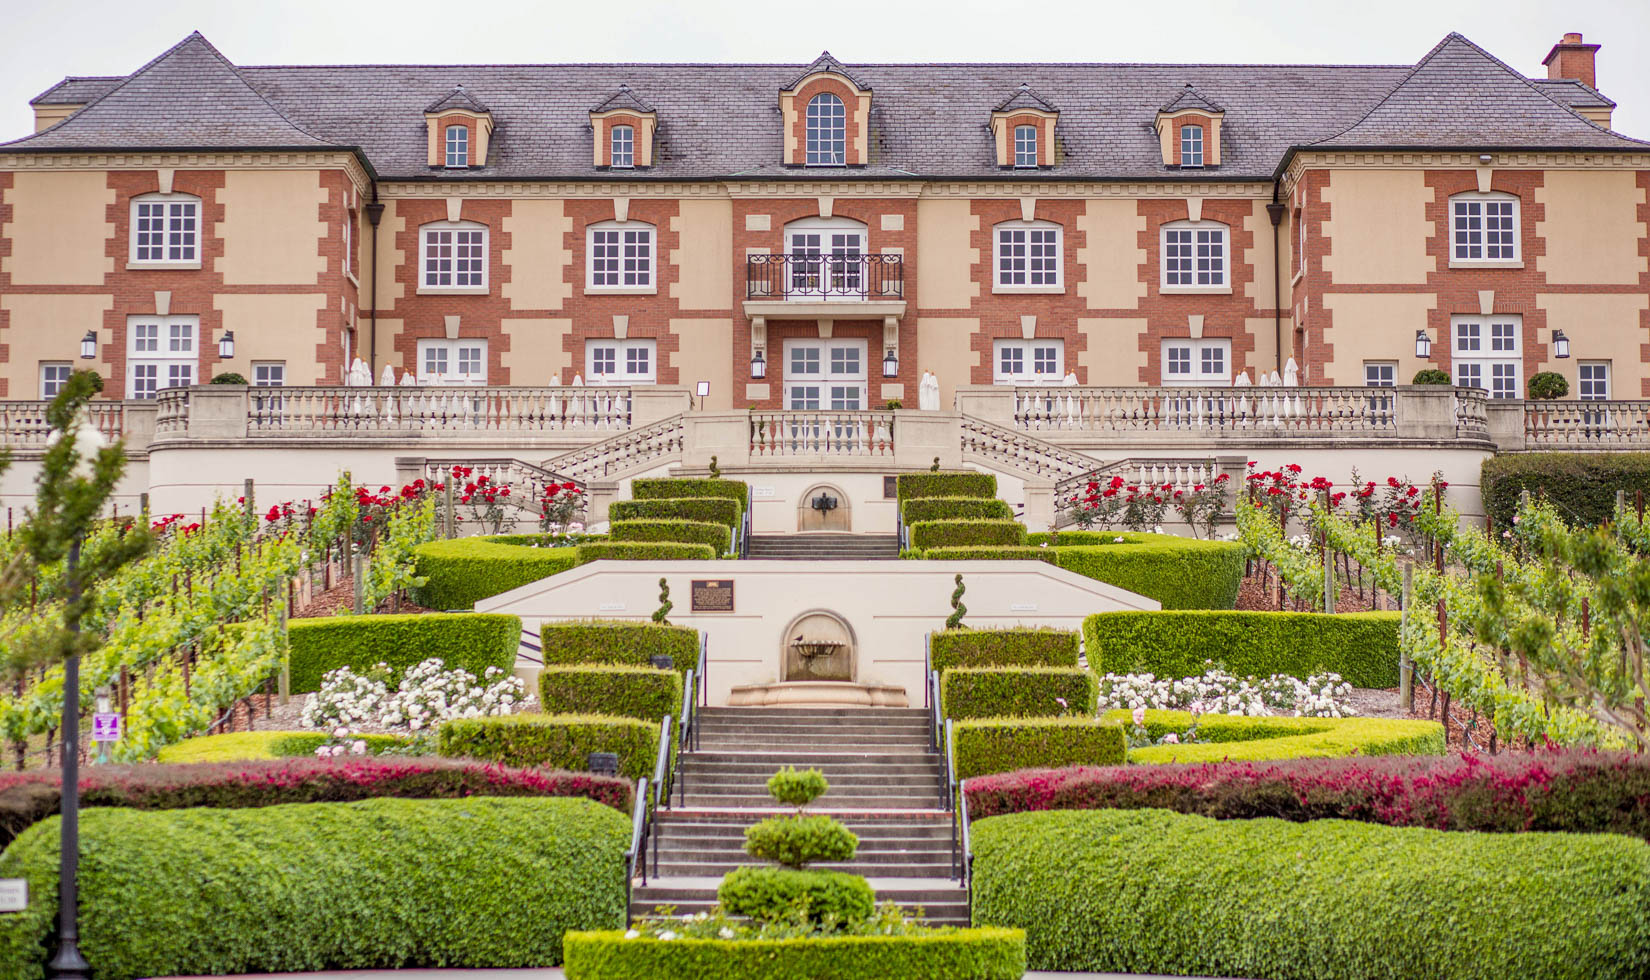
788	893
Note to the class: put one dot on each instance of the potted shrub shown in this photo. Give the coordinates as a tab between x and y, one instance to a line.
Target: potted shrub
1430	376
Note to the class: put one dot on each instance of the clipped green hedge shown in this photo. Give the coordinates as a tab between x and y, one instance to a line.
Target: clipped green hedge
461	571
1581	485
1180	573
982	553
1020	692
645	551
1019	646
473	641
1361	647
954	509
989	745
962	954
775	894
668	487
253	746
1156	892
618	641
379	883
718	536
711	510
965	533
1238	738
610	689
965	483
553	741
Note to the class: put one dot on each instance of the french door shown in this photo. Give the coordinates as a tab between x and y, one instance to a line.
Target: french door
827	264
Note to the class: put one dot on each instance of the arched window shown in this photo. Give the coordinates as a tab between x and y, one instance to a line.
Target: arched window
453	256
827	258
1483	228
458	146
1025	146
827	131
1194	256
623	142
1191	146
165	229
620	256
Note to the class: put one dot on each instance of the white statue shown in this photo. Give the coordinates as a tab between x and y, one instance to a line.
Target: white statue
555	380
1070	380
928	392
388	378
1291	373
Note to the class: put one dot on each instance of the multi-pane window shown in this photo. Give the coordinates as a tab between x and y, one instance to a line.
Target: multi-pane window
165	228
452	362
268	374
161	352
1194	255
1593	380
455	256
1025	146
1191	146
825	374
458	146
53	376
826	260
1029	362
1484	228
623	144
621	256
1380	374
827	131
1028	254
620	362
1196	362
1487	354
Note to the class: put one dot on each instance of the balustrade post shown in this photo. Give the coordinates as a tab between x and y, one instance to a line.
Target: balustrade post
217	412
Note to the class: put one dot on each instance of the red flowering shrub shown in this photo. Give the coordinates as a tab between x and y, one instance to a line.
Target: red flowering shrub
1579	792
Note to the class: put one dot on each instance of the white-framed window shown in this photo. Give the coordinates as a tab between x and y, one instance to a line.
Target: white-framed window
622	143
1488	353
166	229
161	352
826	131
620	362
349	243
620	256
1380	374
1483	228
454	256
1197	362
1191	146
268	374
1028	256
1593	380
1300	242
1025	146
452	362
458	146
1194	256
53	376
1028	362
827	259
825	374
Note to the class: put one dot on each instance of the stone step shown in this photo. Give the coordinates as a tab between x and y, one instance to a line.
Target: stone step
939	867
941	901
918	727
705	783
721	847
694	764
869	755
852	801
713	828
814	711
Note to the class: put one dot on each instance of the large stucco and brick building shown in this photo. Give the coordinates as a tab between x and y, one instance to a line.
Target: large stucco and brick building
817	236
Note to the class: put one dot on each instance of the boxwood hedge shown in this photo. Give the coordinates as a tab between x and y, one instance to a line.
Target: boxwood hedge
610	689
1021	646
966	483
1361	647
248	746
963	954
553	741
989	745
461	571
473	641
1152	891
718	536
307	887
1241	738
618	641
667	487
965	533
1018	692
1180	573
954	508
1582	485
644	551
983	553
713	510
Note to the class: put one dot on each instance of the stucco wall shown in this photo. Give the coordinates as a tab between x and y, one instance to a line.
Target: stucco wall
1377	227
58	226
272	227
1592	227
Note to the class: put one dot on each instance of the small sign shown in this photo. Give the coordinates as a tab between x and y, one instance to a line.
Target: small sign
762	492
1023	607
14	894
611	607
105	727
712	595
890	487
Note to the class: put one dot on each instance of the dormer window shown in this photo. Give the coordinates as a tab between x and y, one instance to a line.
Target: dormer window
1025	146
1188	129
827	131
1191	146
1022	126
624	147
621	130
458	146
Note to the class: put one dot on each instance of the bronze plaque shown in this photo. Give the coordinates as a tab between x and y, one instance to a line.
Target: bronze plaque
712	595
890	487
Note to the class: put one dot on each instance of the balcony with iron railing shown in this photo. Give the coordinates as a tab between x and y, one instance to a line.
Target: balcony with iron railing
822	284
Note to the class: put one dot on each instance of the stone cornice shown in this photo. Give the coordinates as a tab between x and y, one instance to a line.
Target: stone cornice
188	160
1463	160
891	189
551	189
1101	188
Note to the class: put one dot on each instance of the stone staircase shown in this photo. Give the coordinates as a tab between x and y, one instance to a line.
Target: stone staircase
824	547
886	784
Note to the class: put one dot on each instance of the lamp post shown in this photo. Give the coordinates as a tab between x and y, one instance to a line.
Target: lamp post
68	964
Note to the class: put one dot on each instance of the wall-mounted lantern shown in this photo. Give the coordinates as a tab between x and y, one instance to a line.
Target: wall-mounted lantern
1423	345
890	364
759	367
88	345
226	345
823	503
1561	344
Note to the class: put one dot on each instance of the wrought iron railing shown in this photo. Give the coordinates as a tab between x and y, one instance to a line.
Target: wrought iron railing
820	276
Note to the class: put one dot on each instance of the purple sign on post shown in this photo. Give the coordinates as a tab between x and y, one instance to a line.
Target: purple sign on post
105	727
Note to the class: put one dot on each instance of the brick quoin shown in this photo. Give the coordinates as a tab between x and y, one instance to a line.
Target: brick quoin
650	315
5	282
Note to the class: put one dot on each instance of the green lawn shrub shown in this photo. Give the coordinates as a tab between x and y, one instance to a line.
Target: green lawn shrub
1151	891
618	641
967	533
963	954
1581	485
1239	738
965	483
645	551
461	571
989	745
1019	646
380	883
1361	647
472	641
253	746
553	741
777	894
796	840
718	536
1022	692
1180	573
982	553
610	689
797	787
713	510
670	487
954	509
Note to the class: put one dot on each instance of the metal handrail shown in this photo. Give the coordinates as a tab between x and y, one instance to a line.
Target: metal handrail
704	670
638	842
950	767
927	665
745	533
661	787
965	857
686	731
933	705
804	274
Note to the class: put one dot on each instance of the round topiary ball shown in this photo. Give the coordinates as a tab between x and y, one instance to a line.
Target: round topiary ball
1549	384
229	378
782	895
799	841
1430	376
797	787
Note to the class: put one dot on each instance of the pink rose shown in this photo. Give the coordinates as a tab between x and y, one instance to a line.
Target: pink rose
1140	716
1171	739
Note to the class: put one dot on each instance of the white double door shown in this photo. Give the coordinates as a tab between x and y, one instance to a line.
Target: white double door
825	375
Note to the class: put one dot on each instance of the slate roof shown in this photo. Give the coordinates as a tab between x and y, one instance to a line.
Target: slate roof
1190	98
624	98
722	121
458	98
826	62
77	90
1025	98
1574	93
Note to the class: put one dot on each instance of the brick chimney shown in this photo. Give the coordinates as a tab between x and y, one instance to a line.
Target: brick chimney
1570	58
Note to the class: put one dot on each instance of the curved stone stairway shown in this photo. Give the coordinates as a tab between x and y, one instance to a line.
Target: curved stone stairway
885	784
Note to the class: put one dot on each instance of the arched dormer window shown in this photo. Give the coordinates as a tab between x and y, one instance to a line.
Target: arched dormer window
1191	146
458	146
1027	257
453	257
166	229
1195	257
623	149
619	257
827	131
1483	229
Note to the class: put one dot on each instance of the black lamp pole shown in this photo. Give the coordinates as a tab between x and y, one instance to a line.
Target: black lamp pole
68	964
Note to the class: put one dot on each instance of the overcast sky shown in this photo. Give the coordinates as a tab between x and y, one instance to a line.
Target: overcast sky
43	42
